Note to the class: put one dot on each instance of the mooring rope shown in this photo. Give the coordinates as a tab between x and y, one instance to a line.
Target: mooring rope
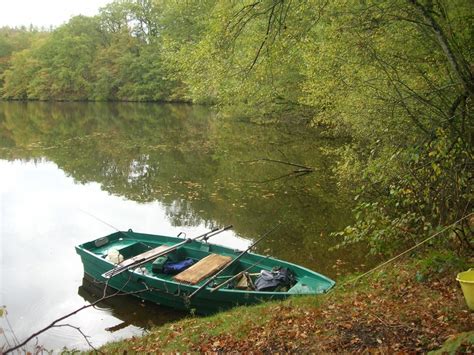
406	251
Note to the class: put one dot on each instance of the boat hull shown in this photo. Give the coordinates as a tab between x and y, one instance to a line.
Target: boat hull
163	290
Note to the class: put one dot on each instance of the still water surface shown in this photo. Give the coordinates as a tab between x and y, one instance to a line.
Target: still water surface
158	169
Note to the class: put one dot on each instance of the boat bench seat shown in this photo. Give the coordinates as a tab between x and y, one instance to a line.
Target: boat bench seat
203	268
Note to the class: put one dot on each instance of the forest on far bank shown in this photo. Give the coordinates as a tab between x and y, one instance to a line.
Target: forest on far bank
396	76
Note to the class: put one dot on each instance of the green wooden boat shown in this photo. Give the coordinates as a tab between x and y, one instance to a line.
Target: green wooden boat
167	290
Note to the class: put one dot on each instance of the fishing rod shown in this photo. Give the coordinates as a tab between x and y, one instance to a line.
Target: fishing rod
239	274
125	233
157	252
150	255
231	263
102	221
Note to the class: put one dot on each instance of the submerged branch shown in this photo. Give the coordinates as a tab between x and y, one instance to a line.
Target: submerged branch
295	174
304	168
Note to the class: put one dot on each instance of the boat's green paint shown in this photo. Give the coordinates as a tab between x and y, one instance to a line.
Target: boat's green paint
165	291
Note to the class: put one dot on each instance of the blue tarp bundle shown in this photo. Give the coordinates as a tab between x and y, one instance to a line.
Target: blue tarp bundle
174	267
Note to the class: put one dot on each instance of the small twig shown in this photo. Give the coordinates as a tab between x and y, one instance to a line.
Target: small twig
15	339
86	337
393	325
6	340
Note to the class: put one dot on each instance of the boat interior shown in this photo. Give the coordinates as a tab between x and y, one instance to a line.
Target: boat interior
130	247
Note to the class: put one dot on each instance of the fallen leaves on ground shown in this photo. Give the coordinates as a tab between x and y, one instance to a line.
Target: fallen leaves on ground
394	314
407	316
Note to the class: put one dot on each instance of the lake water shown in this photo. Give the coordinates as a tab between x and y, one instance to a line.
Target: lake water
73	172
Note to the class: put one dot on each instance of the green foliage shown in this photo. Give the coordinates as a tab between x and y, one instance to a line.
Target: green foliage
14	40
396	76
439	263
433	188
114	56
411	160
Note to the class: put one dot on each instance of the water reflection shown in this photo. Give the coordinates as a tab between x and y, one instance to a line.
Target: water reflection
201	168
40	223
158	169
128	309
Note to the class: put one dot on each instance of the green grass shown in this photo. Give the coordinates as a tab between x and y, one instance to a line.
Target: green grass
392	309
462	343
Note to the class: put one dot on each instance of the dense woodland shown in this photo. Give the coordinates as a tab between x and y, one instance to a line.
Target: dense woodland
396	76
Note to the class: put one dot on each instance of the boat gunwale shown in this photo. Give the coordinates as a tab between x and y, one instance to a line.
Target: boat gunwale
311	273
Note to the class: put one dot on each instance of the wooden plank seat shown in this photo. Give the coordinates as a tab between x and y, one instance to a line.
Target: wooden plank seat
203	268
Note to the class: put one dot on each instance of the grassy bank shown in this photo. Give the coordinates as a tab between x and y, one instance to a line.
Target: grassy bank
414	305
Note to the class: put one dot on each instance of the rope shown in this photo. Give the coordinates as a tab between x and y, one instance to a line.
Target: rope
408	250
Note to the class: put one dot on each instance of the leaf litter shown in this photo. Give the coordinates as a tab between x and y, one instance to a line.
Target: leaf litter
389	314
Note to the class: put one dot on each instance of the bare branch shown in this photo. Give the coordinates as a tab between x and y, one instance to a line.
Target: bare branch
457	64
86	337
265	39
56	321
